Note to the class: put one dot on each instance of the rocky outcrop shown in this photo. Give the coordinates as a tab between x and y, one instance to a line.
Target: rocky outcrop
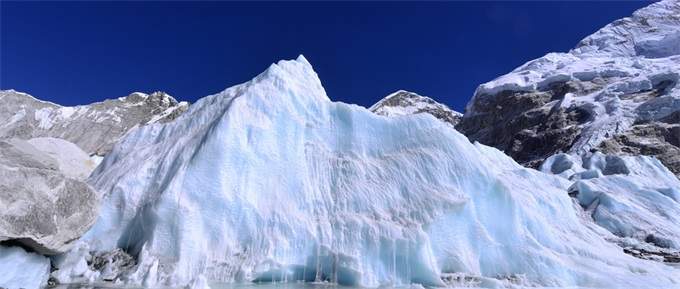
659	139
528	126
404	103
95	128
43	209
615	92
46	153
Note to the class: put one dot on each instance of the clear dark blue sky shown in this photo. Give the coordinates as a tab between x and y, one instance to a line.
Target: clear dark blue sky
77	53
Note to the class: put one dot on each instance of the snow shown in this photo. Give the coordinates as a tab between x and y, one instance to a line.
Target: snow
16	117
403	102
659	47
48	116
413	104
181	105
271	181
21	269
43	116
73	161
12	91
623	61
67	112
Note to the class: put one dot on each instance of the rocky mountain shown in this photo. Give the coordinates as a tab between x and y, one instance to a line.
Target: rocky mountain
405	103
47	152
43	207
95	128
616	92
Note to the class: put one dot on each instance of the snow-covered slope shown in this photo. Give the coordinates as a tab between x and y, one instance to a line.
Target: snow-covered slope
406	103
618	85
93	127
270	180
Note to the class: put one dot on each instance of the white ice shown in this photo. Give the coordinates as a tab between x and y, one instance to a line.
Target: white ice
632	197
271	181
21	269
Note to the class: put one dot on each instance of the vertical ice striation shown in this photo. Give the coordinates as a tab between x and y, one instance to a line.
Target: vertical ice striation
271	181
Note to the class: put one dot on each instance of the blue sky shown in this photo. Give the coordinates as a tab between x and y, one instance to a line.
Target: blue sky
80	52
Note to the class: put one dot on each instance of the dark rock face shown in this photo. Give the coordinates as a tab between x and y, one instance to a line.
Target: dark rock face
405	103
653	253
658	139
615	92
529	126
113	264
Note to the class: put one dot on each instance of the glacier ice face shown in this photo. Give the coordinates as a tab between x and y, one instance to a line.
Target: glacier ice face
21	269
632	197
271	181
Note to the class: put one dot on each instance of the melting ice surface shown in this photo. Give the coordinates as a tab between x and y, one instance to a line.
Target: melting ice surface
300	285
271	181
288	285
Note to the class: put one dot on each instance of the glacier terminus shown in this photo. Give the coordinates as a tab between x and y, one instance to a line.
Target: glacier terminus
563	173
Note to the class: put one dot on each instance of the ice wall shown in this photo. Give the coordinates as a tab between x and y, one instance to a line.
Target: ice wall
270	180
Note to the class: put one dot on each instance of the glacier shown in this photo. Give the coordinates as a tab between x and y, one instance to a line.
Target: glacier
271	181
632	197
21	269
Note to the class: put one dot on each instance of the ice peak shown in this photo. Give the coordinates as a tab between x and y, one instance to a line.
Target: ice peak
303	185
296	67
295	78
301	58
